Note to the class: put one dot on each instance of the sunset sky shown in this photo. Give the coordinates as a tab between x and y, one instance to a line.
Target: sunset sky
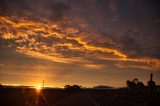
84	42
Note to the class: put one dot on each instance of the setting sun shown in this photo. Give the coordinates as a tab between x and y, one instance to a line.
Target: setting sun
38	88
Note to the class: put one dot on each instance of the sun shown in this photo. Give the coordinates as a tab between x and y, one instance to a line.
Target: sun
38	88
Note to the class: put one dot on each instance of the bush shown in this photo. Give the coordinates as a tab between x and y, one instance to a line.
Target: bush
73	87
134	84
1	86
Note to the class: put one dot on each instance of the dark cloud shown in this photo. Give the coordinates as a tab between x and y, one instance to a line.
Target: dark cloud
37	9
140	44
3	7
108	16
57	9
130	44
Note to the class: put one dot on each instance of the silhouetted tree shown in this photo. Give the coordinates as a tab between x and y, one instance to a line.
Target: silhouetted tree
140	85
134	84
73	87
67	87
135	81
76	87
131	84
1	86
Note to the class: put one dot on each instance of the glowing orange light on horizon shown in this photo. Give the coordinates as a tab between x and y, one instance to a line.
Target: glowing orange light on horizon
38	88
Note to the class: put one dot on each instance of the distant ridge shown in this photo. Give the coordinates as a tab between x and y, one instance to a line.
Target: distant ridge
102	87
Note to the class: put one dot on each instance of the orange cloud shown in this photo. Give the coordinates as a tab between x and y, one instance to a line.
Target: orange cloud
51	41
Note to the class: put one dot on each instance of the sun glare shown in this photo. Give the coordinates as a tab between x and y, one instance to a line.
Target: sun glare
38	88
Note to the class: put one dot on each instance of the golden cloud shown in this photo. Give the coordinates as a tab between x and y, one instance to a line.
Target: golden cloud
53	41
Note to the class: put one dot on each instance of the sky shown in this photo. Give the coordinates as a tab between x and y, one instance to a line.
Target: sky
84	42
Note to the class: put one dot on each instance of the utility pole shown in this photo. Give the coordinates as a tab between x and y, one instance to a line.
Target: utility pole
43	84
151	85
149	95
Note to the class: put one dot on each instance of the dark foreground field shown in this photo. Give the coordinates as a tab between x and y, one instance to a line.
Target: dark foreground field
59	97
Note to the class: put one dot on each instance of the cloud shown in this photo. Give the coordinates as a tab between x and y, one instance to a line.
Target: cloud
113	6
13	62
124	66
94	66
37	9
139	44
30	38
27	37
2	65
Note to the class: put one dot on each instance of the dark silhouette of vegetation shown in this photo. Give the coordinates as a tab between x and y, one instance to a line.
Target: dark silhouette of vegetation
1	86
73	87
134	84
67	87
